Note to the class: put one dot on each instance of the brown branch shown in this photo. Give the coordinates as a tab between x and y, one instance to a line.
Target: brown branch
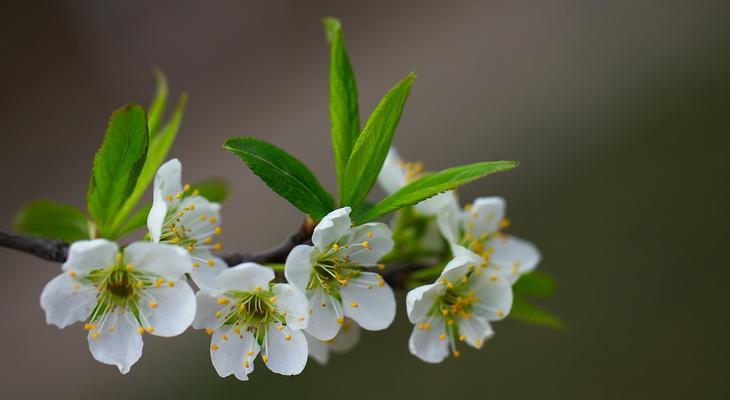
47	249
275	254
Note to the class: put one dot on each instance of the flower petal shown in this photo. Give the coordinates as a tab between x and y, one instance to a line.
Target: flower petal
369	303
432	206
168	179
66	300
204	275
161	259
245	277
495	295
199	217
205	312
298	268
118	342
229	352
392	176
85	256
368	243
449	222
331	228
426	344
420	300
292	302
317	349
484	216
514	256
169	309
156	216
347	338
475	330
323	314
286	350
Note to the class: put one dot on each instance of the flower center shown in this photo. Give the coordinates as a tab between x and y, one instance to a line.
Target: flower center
413	170
333	270
252	311
480	244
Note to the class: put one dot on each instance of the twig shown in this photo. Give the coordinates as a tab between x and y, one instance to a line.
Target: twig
47	249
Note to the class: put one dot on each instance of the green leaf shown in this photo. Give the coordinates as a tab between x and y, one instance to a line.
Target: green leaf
432	184
117	165
159	146
536	283
531	314
136	221
157	108
213	189
371	147
344	113
284	174
53	220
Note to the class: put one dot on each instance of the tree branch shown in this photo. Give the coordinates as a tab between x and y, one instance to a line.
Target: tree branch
47	249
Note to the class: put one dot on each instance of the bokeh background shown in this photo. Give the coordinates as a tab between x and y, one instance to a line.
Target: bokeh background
618	111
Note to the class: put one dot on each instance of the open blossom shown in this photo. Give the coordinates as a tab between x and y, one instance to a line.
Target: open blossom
121	295
456	308
332	276
397	173
187	220
476	232
245	314
346	339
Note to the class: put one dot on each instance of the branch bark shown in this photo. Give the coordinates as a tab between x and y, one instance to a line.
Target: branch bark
47	249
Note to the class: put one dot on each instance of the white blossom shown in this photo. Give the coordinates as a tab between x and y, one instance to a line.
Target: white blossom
121	295
346	339
246	314
332	275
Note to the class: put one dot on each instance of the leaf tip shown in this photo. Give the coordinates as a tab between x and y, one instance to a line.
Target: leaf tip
332	26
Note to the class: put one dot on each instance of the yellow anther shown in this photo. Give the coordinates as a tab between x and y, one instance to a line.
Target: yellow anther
300	319
340	320
421	326
258	288
500	313
442	337
280	327
139	284
217	230
178	195
366	244
118	258
344	282
478	343
250	353
168	197
354	305
203	217
370	234
468	207
211	262
170	283
287	337
153	304
196	265
72	274
462	338
456	353
214	347
208	331
428	326
381	283
504	223
140	330
264	358
450	322
218	246
159	281
196	192
335	246
224	337
370	286
213	220
449	285
272	299
149	329
247	364
75	286
218	314
186	187
94	335
190	248
223	300
493	278
381	266
111	329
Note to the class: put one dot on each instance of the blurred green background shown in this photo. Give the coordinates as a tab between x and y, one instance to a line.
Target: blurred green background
618	111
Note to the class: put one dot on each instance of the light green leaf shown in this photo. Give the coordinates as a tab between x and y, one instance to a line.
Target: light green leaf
159	146
284	174
136	221
159	103
117	165
531	314
213	189
53	220
536	283
432	184
344	113
371	147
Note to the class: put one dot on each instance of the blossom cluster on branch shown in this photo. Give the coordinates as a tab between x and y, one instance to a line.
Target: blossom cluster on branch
313	295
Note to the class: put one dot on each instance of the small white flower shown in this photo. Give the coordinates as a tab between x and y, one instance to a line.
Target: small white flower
245	314
397	173
475	232
187	220
456	308
345	341
331	275
121	295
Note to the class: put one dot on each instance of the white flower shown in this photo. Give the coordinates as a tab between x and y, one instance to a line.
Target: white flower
188	221
475	232
456	308
245	314
121	295
397	173
345	340
331	275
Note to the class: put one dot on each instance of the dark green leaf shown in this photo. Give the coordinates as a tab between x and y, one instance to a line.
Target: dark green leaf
213	189
371	147
536	283
432	184
117	165
344	114
159	103
531	314
53	220
284	174
136	221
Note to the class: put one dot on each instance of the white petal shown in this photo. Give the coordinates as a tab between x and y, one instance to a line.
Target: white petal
449	222
298	268
432	241
245	277
120	346
495	295
484	216
371	305
168	179
426	344
199	217
420	301
87	255
161	259
368	243
514	256
317	349
323	314
458	267
229	352
205	312
292	301
169	309
286	350
475	330
66	300
392	176
331	228
156	217
347	338
434	205
204	275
